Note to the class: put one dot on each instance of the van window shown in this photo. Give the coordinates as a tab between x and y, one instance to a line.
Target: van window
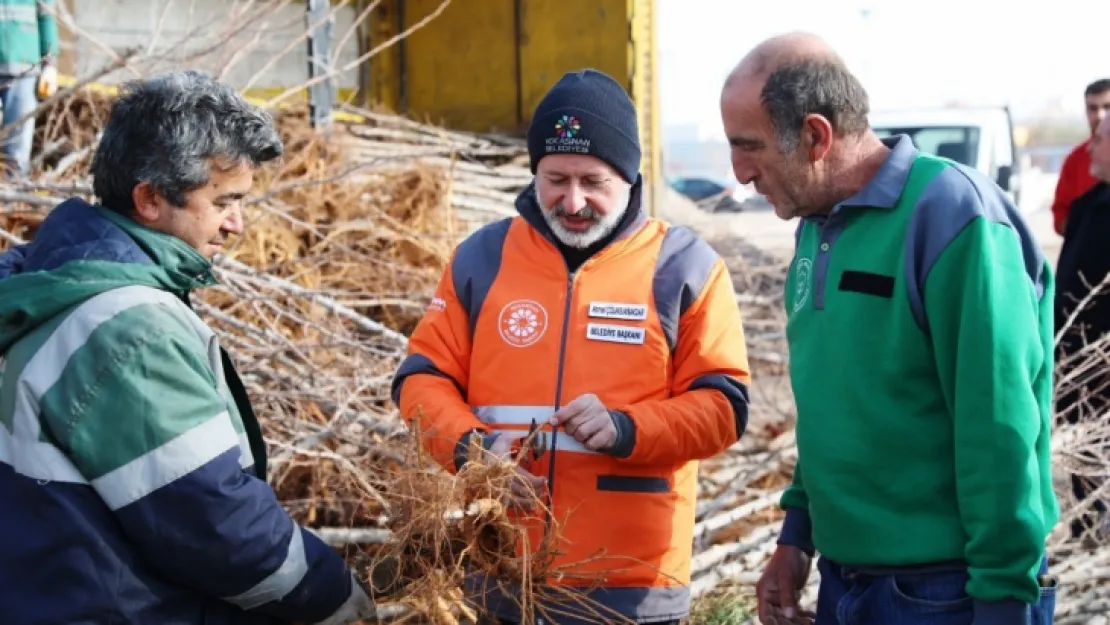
959	143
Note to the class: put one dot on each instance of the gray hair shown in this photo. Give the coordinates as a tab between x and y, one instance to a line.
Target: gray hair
804	87
166	131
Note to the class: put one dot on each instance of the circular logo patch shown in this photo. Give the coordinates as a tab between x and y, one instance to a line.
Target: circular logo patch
522	322
803	277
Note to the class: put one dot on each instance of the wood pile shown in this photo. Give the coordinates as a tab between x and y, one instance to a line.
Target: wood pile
345	241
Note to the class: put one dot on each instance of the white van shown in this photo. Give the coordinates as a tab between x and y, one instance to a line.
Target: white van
979	137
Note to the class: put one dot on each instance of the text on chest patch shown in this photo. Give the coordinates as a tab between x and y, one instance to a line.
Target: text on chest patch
615	334
611	310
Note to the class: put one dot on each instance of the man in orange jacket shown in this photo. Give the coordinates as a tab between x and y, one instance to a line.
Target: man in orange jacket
619	335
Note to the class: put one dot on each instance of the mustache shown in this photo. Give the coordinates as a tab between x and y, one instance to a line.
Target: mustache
589	212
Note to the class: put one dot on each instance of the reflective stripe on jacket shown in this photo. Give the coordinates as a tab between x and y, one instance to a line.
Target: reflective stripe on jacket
651	326
131	463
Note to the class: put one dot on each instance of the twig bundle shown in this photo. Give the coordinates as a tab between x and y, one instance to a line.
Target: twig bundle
446	527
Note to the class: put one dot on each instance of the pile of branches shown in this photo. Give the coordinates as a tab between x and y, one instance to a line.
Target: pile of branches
344	241
447	529
1081	447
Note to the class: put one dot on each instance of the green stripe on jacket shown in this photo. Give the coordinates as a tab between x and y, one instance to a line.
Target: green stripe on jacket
124	385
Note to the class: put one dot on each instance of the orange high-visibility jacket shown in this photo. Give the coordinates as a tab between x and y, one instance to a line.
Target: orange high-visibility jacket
650	325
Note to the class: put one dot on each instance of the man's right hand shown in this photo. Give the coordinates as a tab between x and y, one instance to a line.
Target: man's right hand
778	588
525	486
358	606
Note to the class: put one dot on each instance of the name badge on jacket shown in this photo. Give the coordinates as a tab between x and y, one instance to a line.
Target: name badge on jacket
615	334
610	310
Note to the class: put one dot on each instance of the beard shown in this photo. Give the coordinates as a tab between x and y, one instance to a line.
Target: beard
601	225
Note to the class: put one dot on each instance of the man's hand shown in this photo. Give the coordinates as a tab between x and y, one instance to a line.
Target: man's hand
778	588
588	421
358	606
525	486
48	81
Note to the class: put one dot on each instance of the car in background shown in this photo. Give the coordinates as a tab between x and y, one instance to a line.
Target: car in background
981	138
710	195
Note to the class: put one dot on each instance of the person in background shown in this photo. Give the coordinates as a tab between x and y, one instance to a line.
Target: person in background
28	72
132	466
1082	266
1075	174
920	341
616	335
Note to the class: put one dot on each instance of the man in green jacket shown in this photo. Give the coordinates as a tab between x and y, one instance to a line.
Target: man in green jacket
919	323
28	53
132	466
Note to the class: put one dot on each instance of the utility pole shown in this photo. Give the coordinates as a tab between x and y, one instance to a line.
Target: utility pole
321	94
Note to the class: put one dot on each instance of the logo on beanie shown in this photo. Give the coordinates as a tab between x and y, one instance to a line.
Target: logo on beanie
566	139
567	127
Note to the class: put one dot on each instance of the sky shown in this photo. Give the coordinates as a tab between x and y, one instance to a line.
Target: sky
906	53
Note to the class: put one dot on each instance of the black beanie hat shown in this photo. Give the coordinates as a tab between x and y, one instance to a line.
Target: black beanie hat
587	112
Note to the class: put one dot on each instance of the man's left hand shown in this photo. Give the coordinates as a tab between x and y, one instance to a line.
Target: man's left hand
588	421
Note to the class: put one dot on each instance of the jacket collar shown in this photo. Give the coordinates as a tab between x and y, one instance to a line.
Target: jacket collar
78	231
885	188
80	251
169	252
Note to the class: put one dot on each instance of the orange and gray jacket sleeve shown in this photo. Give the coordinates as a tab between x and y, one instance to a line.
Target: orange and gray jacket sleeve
708	409
430	385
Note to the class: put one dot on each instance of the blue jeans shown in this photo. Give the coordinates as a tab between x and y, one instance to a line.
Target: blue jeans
18	97
850	597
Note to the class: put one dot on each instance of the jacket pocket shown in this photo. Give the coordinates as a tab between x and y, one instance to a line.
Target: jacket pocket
632	484
932	592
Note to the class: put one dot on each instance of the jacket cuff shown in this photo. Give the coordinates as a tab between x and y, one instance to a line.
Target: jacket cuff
797	531
463	446
626	435
1006	612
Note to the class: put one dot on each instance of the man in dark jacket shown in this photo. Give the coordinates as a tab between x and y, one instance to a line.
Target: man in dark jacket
131	463
1082	266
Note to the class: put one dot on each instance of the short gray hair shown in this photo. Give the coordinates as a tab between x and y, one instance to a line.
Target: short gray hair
167	129
826	87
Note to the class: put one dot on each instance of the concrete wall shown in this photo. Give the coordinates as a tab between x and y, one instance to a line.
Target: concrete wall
237	39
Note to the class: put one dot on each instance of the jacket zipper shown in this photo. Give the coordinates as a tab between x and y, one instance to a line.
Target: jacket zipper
558	403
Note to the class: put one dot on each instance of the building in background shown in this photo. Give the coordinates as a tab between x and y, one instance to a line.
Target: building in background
262	49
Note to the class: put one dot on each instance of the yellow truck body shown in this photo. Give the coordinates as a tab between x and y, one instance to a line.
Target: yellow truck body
483	65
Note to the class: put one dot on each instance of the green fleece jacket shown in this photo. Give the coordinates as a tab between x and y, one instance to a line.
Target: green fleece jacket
132	442
920	335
